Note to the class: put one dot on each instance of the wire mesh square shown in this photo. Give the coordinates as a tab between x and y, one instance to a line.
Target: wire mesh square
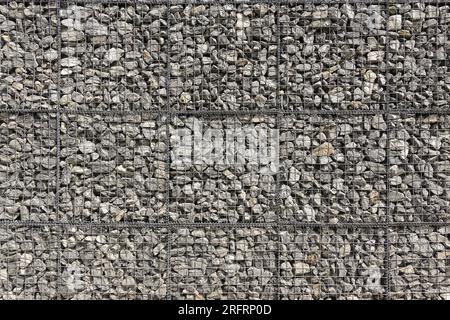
113	168
332	56
108	263
28	263
113	55
212	177
332	263
216	263
28	55
420	167
333	168
418	50
28	161
223	55
420	261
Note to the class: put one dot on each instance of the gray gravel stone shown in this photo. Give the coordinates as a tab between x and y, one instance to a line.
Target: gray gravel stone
418	43
28	55
331	263
112	168
217	263
332	168
221	190
28	263
419	169
27	166
106	263
223	56
336	52
113	57
420	262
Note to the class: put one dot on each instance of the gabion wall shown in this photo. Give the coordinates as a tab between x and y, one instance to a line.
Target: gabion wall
92	205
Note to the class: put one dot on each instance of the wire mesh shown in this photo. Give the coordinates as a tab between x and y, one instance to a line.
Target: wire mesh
29	262
332	263
420	263
332	56
417	48
419	167
215	263
222	55
112	168
28	162
217	182
333	168
29	56
101	197
113	55
107	263
96	263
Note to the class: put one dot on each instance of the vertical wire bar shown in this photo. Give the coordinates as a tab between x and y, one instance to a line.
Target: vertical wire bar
277	127
58	146
167	160
387	261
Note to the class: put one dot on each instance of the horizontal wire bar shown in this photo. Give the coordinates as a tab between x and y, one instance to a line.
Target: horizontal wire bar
231	2
227	113
224	224
175	2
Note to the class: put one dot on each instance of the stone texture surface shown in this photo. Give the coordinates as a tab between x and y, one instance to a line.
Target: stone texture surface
28	163
28	55
420	263
332	263
417	52
28	263
332	56
108	263
112	168
333	168
222	56
420	168
113	57
204	190
216	263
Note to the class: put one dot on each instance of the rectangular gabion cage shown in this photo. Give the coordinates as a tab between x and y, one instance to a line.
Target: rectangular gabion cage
105	194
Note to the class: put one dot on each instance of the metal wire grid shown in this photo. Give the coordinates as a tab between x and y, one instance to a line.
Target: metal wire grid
332	263
387	232
112	168
333	168
325	63
214	46
27	180
29	56
422	271
29	262
417	47
215	184
96	263
419	173
212	263
113	65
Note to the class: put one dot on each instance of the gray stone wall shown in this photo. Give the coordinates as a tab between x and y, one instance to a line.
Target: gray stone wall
95	205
